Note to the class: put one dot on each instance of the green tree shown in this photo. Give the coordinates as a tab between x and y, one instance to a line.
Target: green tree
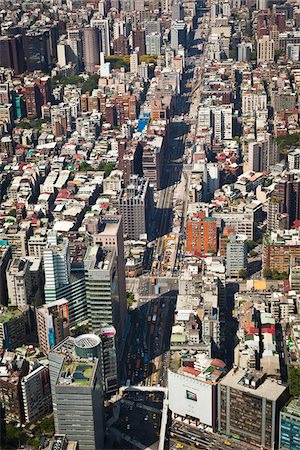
85	167
243	273
130	299
294	379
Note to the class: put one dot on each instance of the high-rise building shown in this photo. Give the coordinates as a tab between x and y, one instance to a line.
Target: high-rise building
91	49
102	288
76	377
262	153
16	326
249	405
102	27
201	234
290	426
222	122
153	44
177	10
19	282
134	61
5	256
61	282
11	53
37	50
107	334
236	254
57	266
36	394
110	235
265	50
178	35
135	205
52	320
138	37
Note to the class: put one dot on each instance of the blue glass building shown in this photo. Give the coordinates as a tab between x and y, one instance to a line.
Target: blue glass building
290	426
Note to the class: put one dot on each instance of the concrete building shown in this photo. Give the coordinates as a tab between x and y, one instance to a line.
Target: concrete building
134	61
290	426
135	204
57	266
102	27
193	392
19	282
265	50
16	326
222	122
36	394
249	405
201	234
77	390
236	254
102	293
153	44
110	235
262	153
52	322
91	49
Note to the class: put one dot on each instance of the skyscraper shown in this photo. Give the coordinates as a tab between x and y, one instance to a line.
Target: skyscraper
61	282
135	205
102	288
91	49
102	27
77	390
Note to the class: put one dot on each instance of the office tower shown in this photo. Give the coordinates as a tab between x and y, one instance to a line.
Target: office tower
61	282
19	282
222	122
102	288
36	394
134	61
153	44
102	27
138	38
91	49
236	254
57	266
5	256
178	35
265	50
76	377
52	320
36	50
75	51
135	204
177	10
110	235
107	334
290	426
249	405
201	234
11	53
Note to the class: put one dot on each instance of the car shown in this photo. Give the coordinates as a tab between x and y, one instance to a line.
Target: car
128	426
179	445
228	443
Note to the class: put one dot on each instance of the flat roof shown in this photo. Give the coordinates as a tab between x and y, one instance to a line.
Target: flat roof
269	388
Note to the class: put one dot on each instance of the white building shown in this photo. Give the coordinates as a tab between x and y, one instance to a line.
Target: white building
36	394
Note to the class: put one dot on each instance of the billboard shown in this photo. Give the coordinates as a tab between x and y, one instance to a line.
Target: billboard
192	397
